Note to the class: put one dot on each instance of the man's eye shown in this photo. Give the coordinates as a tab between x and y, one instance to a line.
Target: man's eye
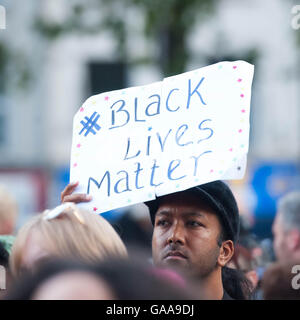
194	223
162	223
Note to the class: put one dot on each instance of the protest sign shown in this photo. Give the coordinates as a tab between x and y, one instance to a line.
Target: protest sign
132	145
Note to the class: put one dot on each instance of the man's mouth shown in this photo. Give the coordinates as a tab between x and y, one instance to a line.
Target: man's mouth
175	255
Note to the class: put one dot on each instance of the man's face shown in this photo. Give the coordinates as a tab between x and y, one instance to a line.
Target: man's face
281	248
186	234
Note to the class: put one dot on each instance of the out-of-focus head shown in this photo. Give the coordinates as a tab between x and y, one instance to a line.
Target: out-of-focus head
286	227
281	281
137	280
72	233
60	279
8	212
118	279
74	285
244	261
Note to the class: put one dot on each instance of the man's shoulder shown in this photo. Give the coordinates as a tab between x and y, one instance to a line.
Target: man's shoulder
226	296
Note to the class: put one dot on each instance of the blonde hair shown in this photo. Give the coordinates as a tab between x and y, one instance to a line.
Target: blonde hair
8	206
75	234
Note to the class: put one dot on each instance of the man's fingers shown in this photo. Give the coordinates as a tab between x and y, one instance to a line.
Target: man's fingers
69	189
77	198
67	196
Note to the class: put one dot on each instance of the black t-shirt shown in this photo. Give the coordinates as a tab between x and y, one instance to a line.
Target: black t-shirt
226	296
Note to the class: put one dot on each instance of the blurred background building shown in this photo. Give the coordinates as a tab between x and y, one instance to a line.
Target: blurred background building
54	54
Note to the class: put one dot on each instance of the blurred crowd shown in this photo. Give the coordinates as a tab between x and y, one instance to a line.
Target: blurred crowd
192	244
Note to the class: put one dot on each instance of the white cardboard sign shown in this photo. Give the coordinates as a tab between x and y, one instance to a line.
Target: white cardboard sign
134	144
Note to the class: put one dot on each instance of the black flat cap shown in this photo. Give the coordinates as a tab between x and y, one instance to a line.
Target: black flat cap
218	196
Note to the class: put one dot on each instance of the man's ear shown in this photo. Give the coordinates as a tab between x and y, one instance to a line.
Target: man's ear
226	252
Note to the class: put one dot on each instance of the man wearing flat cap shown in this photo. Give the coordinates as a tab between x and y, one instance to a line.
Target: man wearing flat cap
195	230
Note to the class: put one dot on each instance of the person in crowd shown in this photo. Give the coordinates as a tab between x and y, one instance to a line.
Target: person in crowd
195	231
281	281
244	261
65	231
135	228
4	256
6	243
8	212
286	228
110	279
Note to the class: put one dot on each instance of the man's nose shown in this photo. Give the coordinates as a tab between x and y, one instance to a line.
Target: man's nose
176	234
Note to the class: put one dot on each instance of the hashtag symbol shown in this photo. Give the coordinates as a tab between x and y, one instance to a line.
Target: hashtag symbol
90	124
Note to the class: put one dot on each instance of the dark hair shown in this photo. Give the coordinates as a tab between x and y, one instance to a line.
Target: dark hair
135	280
236	284
234	281
4	256
128	280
